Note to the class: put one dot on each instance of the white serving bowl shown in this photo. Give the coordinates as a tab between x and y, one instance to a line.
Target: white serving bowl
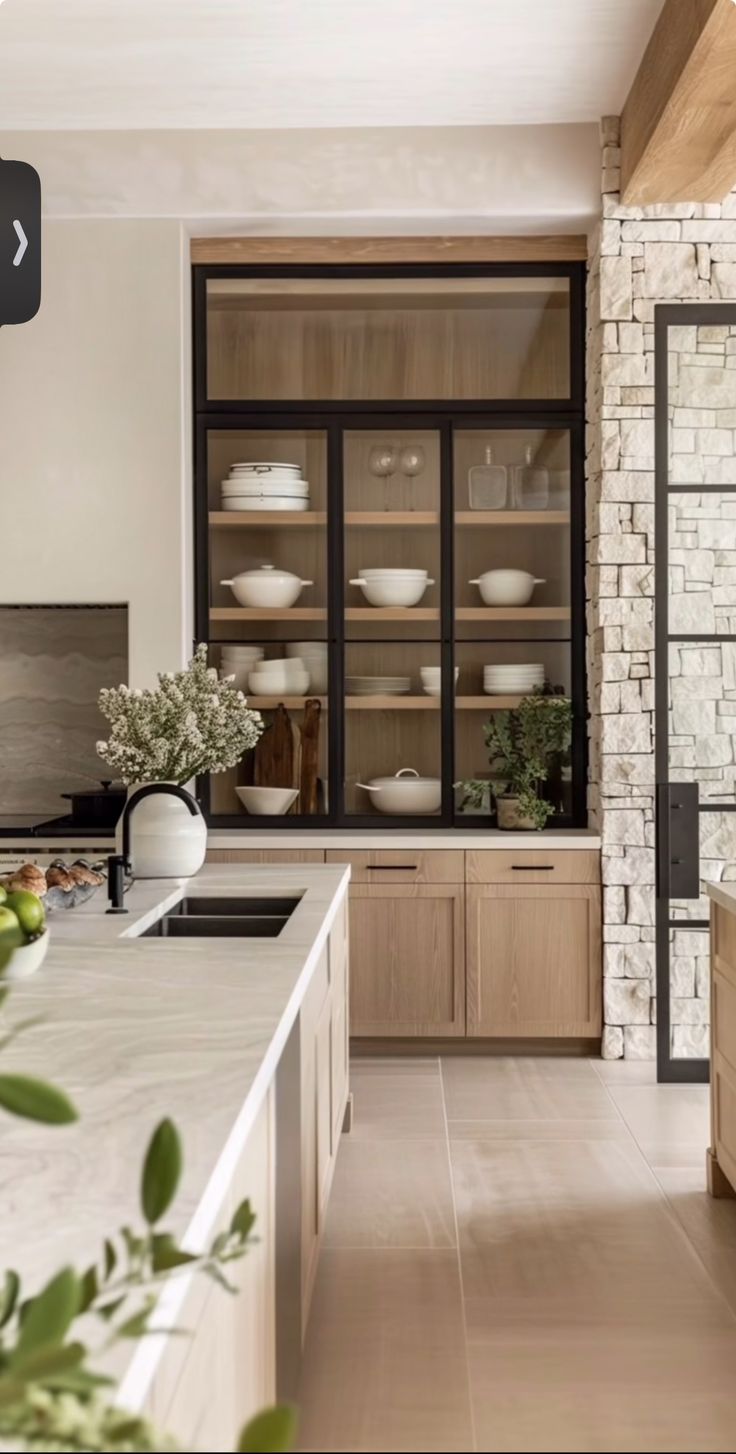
268	801
266	588
314	656
25	960
406	792
431	678
506	587
393	588
264	683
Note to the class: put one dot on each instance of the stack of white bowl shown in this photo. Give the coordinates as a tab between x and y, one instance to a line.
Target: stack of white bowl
313	654
514	680
260	485
238	662
432	679
286	676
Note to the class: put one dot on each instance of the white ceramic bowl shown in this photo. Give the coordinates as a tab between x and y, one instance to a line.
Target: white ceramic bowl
394	589
431	678
506	587
25	960
269	801
314	656
266	588
264	683
392	573
406	792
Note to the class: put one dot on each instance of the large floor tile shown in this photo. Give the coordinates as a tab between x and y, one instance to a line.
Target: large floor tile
568	1225
391	1193
626	1072
396	1101
549	1129
666	1120
385	1363
567	1390
506	1089
709	1222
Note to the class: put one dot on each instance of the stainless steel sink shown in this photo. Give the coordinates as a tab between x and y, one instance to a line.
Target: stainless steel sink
206	917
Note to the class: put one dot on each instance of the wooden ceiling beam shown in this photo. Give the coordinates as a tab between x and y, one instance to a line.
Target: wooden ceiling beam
678	126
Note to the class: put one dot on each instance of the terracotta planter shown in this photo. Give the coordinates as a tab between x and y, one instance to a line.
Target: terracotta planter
509	817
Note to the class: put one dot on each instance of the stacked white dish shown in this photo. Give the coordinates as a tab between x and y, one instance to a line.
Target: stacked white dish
288	676
432	679
392	587
377	686
515	679
313	654
261	485
238	662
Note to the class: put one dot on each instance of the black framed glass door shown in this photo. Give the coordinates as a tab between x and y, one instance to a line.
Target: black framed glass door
695	703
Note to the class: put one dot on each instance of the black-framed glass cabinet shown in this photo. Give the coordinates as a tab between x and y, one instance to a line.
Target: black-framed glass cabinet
383	438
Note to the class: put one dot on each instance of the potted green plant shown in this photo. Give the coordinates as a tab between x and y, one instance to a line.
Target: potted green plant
523	744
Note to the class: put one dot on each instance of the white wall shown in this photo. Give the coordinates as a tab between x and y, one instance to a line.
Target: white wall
94	434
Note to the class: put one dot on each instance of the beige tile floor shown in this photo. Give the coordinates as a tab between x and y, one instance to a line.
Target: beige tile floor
521	1255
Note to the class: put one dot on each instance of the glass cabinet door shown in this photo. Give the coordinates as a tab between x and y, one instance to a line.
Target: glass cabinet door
266	531
512	591
392	562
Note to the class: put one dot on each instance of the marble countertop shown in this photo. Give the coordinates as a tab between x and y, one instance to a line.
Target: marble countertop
723	894
355	838
137	1029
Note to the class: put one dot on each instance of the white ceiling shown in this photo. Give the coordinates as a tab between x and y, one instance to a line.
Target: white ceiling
150	64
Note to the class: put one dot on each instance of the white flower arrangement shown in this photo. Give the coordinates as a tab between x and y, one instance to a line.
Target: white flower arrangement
194	722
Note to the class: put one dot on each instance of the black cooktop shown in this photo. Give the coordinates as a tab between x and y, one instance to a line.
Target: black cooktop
29	825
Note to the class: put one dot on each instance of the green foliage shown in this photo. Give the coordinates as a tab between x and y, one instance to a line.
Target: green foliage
523	742
50	1397
161	1172
21	1095
273	1430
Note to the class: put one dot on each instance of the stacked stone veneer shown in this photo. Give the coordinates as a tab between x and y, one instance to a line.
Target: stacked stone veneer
639	257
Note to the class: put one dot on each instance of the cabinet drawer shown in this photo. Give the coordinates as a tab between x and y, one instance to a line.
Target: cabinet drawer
533	866
402	865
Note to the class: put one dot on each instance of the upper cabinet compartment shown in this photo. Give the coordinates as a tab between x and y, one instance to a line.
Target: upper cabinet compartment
387	338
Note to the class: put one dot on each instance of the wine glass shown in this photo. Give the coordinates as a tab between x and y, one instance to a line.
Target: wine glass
412	460
382	462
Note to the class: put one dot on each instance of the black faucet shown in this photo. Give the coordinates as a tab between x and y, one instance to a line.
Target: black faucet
118	864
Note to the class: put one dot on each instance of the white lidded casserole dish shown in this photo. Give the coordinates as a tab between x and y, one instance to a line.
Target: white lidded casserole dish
392	587
506	587
266	588
405	792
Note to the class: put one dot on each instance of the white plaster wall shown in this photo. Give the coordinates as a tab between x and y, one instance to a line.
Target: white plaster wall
94	429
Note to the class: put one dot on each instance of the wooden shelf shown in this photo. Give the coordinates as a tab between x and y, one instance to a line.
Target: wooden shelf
392	613
250	519
265	704
512	517
392	517
253	613
512	613
398	703
485	703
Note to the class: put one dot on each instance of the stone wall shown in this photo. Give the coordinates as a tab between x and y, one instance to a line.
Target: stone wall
639	257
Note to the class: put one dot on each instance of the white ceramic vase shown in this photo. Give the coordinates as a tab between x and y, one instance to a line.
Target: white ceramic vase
166	840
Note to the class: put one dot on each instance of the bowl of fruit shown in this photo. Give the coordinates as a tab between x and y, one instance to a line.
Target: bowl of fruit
24	938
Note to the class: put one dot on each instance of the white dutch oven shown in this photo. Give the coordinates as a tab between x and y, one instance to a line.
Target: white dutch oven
393	587
506	587
406	792
266	588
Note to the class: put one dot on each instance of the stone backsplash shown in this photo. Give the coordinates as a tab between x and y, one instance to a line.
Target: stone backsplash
641	256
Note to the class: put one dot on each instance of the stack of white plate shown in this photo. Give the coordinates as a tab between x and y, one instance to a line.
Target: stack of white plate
238	662
516	679
261	485
377	686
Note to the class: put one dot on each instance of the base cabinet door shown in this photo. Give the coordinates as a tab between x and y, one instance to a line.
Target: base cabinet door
534	960
407	959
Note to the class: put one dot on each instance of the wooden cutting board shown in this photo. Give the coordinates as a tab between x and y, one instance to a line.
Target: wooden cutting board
308	781
274	754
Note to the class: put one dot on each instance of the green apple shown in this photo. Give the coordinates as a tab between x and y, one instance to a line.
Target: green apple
11	934
3	893
28	910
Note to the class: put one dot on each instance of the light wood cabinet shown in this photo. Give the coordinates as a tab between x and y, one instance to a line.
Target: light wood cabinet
534	960
407	959
533	866
721	1160
324	1091
403	865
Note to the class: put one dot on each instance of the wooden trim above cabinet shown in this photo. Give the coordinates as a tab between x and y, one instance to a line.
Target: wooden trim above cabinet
566	248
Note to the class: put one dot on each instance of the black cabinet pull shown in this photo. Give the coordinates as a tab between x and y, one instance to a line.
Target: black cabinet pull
392	867
532	867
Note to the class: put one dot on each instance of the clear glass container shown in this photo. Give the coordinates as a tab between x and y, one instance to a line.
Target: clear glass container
531	484
487	484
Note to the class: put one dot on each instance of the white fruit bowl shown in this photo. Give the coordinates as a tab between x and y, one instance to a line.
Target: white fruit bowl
270	801
25	960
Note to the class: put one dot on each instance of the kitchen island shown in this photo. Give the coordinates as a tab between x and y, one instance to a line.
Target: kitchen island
243	1043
